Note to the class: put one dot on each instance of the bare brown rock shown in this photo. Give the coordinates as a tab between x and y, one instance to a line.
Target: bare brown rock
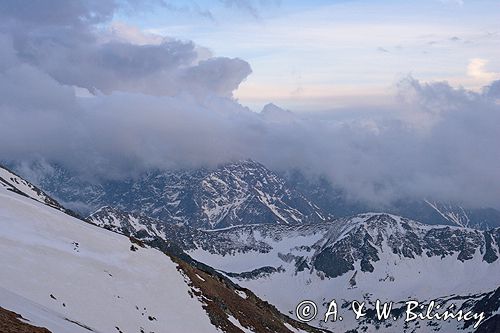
10	322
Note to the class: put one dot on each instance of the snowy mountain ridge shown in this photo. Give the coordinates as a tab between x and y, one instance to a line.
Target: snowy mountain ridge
360	237
237	193
12	182
366	257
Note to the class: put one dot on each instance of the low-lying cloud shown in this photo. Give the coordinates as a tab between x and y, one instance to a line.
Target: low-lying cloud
165	105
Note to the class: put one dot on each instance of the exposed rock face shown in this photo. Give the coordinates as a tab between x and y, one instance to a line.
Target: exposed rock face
11	322
233	194
404	238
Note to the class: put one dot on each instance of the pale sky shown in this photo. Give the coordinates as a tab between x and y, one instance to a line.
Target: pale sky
315	55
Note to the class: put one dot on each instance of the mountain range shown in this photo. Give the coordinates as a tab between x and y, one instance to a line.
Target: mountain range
365	257
240	193
233	194
271	237
62	274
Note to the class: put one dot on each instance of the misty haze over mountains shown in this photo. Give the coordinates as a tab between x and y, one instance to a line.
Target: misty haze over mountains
169	105
244	192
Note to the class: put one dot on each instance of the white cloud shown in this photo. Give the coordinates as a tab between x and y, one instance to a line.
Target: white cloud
120	31
476	69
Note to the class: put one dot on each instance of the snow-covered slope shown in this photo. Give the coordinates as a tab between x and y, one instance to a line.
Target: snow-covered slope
12	182
68	274
366	257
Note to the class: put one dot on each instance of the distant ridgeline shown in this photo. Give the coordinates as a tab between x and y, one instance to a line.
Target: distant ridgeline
241	193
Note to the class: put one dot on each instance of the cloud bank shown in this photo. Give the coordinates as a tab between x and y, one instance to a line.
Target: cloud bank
168	105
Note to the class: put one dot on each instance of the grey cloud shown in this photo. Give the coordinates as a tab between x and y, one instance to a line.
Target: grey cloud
191	7
162	108
60	13
65	46
218	75
493	90
450	156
